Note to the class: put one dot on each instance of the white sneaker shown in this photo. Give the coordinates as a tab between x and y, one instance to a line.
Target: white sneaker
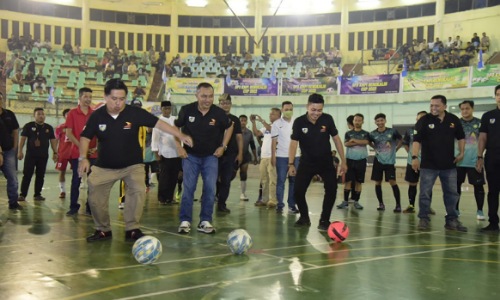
121	205
185	227
243	197
480	215
206	227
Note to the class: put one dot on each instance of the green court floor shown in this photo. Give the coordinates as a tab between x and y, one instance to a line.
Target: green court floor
44	254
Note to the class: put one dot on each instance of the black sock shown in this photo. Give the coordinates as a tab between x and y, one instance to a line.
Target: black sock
260	191
378	192
479	195
356	196
459	190
412	194
397	194
346	195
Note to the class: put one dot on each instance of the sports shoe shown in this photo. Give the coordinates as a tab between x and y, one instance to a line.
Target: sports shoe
206	227
455	225
381	207
178	194
323	225
243	197
62	195
279	211
357	205
223	209
260	203
184	227
171	202
133	235
424	224
293	211
490	228
73	211
99	236
121	205
409	210
303	222
39	198
21	198
271	205
15	206
480	215
343	205
397	209
432	211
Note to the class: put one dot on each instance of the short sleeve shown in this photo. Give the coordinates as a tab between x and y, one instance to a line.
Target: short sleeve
179	122
406	138
484	120
417	134
333	128
295	131
275	129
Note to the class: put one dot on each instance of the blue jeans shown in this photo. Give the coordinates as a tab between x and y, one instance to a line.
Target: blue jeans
10	173
282	173
448	180
192	166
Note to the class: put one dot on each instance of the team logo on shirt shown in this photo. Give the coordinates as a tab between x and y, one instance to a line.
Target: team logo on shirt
305	130
128	125
33	129
431	126
47	130
323	129
475	126
389	136
102	127
212	122
492	121
452	125
191	119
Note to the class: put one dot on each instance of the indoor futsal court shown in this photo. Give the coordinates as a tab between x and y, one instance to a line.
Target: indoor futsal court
44	254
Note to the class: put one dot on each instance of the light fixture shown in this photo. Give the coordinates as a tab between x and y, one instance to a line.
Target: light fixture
196	3
238	6
301	7
152	2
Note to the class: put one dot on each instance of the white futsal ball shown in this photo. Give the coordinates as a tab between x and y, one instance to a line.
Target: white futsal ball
147	250
239	241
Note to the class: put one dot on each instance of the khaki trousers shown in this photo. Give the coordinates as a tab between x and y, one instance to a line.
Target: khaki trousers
268	180
101	181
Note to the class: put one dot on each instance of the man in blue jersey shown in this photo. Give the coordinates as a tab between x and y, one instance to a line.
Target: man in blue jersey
386	142
356	154
467	166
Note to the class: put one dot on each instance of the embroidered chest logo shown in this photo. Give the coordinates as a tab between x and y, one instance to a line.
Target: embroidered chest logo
191	119
323	129
128	125
102	127
452	125
33	129
305	130
492	121
212	122
431	126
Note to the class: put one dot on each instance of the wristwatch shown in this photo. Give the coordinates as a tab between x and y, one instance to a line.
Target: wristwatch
414	157
81	158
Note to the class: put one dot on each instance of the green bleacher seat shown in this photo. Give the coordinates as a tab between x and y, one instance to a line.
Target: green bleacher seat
92	52
117	75
54	77
75	63
50	82
100	54
58	92
125	77
16	88
66	63
35	50
70	85
39	60
134	83
81	75
91	75
64	73
142	78
148	67
59	53
92	64
37	97
26	89
44	51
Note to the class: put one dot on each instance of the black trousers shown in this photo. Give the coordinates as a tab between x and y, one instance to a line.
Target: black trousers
305	173
37	166
227	172
492	168
169	172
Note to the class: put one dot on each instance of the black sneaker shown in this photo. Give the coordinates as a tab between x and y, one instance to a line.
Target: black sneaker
397	209
99	236
133	235
303	222
39	198
381	207
490	228
15	206
21	198
172	202
279	211
455	225
323	225
223	209
73	211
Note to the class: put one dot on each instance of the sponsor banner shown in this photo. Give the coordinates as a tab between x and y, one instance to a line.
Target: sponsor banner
376	84
302	86
487	76
251	87
436	79
187	86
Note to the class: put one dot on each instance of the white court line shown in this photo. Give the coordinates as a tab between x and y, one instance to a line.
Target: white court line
305	270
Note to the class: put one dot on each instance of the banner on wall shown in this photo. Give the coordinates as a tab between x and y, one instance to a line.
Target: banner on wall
376	84
436	79
302	86
251	87
187	86
487	76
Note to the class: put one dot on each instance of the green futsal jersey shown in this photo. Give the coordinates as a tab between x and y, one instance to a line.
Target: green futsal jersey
385	144
357	152
471	130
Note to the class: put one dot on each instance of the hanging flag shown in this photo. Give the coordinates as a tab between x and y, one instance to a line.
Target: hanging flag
480	64
228	76
51	98
164	75
339	77
404	73
169	94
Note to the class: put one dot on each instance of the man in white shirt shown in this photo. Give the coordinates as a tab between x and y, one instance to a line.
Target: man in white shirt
281	131
165	149
267	170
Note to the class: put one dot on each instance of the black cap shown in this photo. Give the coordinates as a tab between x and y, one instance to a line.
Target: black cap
136	102
166	103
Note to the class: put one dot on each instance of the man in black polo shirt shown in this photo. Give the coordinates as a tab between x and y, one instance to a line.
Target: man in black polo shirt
435	134
116	126
489	139
211	130
312	132
38	135
9	134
